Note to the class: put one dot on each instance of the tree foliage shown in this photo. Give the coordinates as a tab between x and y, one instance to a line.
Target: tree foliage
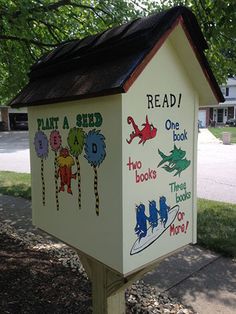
217	19
30	28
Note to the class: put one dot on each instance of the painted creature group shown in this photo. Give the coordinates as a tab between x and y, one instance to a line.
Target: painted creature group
155	216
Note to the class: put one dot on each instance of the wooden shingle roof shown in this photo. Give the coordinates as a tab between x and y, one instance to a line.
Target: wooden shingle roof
106	63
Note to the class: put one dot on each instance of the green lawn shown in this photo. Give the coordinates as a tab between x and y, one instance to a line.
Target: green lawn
217	226
216	220
219	130
16	184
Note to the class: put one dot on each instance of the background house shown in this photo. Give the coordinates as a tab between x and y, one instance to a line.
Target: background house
4	119
13	119
18	118
221	112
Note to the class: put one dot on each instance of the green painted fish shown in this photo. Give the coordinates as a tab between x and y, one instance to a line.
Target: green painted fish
176	154
178	166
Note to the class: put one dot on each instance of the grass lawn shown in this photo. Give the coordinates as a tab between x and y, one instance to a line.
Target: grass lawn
217	226
16	184
219	130
216	220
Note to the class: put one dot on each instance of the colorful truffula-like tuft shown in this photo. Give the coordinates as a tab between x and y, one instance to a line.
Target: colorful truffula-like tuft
41	148
76	139
95	153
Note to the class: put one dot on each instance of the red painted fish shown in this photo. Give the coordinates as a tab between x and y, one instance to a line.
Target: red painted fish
148	132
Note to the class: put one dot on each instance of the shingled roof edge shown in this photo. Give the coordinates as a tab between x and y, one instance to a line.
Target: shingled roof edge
175	15
198	53
127	36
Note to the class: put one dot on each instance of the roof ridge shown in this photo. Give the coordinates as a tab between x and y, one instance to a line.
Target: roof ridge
100	64
126	35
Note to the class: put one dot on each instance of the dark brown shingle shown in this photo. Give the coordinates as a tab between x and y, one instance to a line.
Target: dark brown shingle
101	64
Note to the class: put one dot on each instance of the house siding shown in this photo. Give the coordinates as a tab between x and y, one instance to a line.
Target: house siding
4	121
221	112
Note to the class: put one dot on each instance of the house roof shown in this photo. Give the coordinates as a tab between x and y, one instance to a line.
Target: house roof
105	63
230	82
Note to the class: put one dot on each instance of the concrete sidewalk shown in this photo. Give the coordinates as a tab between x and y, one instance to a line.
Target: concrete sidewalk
14	151
216	169
206	137
199	278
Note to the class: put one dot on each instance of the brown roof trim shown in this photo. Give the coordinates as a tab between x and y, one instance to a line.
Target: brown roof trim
200	57
129	82
110	62
105	92
204	65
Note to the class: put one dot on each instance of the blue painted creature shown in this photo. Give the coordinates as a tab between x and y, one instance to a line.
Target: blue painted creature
153	214
141	225
164	209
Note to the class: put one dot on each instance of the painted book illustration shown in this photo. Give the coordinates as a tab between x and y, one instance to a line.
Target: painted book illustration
148	131
150	228
175	161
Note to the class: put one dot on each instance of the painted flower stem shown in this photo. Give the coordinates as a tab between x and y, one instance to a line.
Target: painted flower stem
95	153
43	181
55	143
96	190
79	181
41	148
76	139
56	178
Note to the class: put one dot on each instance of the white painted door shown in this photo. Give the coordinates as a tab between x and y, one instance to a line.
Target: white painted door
202	118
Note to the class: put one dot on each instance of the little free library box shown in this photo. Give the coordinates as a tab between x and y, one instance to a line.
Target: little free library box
113	138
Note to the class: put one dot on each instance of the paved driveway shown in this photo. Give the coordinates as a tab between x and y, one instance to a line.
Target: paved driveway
216	163
216	169
14	151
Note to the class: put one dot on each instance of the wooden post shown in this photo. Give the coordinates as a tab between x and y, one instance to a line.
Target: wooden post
108	287
116	303
103	301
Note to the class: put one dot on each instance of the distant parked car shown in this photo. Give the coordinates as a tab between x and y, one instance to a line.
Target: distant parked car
231	122
21	125
18	121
